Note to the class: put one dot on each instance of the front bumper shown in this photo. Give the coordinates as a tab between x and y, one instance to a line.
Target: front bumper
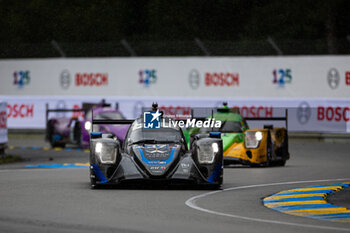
184	172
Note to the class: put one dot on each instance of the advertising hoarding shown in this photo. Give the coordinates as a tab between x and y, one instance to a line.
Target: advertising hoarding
3	122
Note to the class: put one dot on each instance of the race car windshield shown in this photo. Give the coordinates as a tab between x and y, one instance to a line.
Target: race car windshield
227	127
162	135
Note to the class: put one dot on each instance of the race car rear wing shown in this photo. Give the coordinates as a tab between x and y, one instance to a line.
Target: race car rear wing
109	122
60	110
86	107
212	111
285	118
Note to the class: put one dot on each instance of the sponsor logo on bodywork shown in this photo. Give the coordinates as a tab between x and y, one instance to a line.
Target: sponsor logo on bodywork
153	120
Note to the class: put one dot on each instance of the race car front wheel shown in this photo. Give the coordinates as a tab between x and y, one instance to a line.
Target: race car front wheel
93	184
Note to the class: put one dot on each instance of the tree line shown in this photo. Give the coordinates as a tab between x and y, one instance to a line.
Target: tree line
37	21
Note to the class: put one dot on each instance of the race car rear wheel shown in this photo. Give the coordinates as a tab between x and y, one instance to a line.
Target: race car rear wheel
268	153
280	163
77	134
50	136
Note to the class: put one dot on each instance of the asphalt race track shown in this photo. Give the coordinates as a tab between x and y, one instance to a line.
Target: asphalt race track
59	200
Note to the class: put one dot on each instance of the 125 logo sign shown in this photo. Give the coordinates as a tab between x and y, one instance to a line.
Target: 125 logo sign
21	78
282	76
147	77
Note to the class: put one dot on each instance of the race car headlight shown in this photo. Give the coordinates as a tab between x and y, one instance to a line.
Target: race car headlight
206	152
106	151
87	125
252	139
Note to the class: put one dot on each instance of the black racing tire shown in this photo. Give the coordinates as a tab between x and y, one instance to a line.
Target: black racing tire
78	134
268	162
93	184
281	163
221	179
283	152
211	186
216	187
50	132
227	163
57	144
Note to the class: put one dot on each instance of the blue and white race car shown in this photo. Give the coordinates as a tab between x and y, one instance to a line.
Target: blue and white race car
155	155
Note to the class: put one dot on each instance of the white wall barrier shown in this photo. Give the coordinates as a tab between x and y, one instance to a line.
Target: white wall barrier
314	115
316	88
239	77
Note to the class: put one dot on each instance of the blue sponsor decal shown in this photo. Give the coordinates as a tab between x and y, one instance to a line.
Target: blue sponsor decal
99	174
96	134
215	134
157	162
216	173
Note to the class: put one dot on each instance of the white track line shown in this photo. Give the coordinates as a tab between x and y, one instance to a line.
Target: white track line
192	203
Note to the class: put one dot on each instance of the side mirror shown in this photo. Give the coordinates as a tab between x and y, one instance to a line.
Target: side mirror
129	141
183	144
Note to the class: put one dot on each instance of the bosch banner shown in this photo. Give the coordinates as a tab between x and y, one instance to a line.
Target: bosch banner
200	77
3	122
312	115
315	89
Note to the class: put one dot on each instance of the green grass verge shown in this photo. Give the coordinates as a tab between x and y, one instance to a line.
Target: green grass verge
10	159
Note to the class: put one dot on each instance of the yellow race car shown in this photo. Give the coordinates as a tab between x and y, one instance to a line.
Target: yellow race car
254	147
